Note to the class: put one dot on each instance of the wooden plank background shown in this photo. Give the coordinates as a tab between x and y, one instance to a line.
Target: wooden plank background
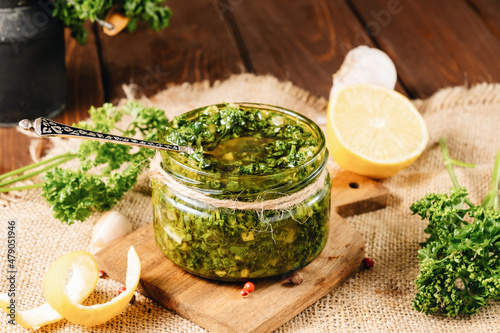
433	44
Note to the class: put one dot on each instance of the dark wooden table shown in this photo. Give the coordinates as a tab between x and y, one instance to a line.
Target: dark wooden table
434	44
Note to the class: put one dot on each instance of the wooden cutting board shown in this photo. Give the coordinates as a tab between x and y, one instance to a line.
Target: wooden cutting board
218	306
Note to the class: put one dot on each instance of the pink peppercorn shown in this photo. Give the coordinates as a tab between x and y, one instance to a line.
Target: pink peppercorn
368	262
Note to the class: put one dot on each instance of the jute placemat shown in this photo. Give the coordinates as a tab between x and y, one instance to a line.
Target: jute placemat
376	300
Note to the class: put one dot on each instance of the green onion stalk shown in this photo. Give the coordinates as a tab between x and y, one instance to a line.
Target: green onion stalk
22	173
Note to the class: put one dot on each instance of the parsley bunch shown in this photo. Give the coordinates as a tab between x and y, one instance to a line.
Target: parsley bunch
75	194
74	13
460	261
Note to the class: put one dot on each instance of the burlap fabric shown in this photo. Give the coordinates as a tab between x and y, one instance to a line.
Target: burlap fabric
376	300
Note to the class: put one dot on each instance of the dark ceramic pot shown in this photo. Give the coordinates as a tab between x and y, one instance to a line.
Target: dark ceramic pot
32	64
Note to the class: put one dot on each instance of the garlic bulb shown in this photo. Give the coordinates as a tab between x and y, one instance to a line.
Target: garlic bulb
365	65
110	226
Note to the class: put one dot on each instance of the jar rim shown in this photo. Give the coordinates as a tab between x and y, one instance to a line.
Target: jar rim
321	154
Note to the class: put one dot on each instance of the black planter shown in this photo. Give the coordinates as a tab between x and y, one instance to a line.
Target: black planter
32	67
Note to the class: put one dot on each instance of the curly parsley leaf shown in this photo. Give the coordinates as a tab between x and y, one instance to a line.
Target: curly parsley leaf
460	261
75	194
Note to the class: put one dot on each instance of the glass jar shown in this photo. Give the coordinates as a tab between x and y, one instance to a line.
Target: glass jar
237	244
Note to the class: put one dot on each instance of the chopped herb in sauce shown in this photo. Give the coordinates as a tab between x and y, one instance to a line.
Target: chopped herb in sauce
243	141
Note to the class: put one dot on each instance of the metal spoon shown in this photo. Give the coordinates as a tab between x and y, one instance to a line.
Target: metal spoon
46	127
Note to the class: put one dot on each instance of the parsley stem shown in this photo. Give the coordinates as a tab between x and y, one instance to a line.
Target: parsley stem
462	164
448	163
34	165
491	199
66	158
119	130
21	188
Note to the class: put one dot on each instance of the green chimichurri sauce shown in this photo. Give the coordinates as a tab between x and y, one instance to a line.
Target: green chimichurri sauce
244	142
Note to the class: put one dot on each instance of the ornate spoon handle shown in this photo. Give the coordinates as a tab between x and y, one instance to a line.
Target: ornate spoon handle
46	127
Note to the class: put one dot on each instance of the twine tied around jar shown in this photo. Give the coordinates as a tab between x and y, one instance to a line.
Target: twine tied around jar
283	203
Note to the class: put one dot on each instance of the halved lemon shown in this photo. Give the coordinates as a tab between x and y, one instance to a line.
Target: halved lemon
374	131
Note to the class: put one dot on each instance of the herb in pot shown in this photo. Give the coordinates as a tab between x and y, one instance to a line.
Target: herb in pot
74	13
460	261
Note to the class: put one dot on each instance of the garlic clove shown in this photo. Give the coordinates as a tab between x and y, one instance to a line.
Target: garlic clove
365	65
110	226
